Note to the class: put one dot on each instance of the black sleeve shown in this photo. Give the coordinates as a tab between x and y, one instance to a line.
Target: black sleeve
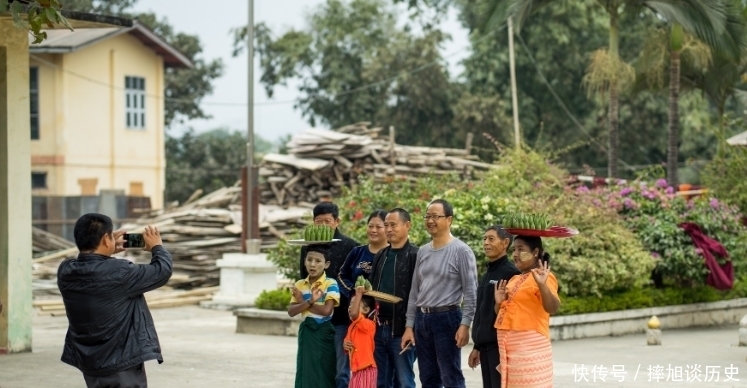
141	278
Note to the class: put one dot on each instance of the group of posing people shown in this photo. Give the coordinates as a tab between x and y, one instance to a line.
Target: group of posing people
348	339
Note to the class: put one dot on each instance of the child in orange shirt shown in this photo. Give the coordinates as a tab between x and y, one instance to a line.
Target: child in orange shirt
359	343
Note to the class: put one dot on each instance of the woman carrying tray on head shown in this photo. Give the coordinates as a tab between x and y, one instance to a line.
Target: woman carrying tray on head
524	305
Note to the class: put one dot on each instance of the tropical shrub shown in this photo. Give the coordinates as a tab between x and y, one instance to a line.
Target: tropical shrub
625	231
654	214
277	300
637	298
603	258
725	174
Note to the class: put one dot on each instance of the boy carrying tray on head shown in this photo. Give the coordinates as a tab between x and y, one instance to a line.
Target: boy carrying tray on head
315	299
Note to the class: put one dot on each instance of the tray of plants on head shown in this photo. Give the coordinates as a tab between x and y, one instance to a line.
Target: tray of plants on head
316	235
537	225
380	296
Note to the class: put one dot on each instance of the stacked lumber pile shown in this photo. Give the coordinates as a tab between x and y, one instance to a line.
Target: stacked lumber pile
45	242
49	250
202	230
196	234
160	298
320	163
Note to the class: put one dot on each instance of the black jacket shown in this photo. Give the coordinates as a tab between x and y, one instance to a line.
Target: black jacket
404	268
337	254
484	334
110	327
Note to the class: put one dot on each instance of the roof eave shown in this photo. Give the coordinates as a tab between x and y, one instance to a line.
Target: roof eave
172	57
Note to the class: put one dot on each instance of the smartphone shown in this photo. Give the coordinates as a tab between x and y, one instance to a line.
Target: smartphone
134	240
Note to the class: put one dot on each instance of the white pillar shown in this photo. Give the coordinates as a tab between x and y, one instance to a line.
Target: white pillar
15	190
242	278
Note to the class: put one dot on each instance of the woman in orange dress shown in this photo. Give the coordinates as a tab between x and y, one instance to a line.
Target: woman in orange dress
524	305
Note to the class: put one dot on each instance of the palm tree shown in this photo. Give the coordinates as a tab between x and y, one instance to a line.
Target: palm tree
607	73
679	45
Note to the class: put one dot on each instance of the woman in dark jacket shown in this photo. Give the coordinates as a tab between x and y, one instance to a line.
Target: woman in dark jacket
358	262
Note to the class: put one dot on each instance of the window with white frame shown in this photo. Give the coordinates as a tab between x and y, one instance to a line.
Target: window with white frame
135	102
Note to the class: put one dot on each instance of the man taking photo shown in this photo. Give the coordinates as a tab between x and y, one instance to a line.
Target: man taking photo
111	331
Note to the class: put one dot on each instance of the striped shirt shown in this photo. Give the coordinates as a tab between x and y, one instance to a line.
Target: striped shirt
330	292
444	277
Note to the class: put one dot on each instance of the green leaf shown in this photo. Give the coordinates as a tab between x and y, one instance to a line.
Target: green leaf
51	14
16	9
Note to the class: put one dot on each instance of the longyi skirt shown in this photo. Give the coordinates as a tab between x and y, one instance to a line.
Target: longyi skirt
525	359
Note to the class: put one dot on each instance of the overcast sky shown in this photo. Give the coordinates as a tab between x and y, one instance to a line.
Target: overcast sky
212	21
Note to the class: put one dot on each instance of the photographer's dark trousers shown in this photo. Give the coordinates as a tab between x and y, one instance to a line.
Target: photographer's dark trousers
129	378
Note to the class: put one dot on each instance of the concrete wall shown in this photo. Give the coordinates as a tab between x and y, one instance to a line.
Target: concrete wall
83	133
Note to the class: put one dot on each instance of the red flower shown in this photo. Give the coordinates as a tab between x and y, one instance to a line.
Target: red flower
358	215
351	204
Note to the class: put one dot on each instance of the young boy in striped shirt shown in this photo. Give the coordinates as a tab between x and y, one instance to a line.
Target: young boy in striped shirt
315	299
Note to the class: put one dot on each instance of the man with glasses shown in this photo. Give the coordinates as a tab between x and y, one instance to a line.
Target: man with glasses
445	277
391	272
327	213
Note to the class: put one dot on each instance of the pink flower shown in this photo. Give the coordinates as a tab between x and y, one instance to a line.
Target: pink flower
714	203
582	189
670	190
662	183
624	192
629	203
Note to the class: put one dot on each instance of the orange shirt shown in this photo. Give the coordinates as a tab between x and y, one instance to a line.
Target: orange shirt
523	309
361	334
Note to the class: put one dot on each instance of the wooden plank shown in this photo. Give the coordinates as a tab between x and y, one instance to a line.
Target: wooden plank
305	164
344	161
57	255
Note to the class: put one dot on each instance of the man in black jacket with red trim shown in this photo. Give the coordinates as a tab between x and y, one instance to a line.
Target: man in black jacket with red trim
111	331
391	273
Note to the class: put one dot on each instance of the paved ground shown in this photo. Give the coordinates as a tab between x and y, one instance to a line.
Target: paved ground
202	350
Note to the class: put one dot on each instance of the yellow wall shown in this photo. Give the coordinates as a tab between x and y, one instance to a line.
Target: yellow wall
83	131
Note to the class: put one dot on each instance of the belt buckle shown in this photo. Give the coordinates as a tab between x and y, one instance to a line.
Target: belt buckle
424	310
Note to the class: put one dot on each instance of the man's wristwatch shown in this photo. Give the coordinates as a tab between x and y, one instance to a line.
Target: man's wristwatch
310	302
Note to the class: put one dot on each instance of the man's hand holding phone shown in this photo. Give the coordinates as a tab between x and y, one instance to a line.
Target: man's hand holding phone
119	241
152	238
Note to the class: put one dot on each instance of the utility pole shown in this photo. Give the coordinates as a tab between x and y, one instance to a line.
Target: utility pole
515	103
252	208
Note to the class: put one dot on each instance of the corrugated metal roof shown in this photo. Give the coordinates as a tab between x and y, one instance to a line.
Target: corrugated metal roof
66	41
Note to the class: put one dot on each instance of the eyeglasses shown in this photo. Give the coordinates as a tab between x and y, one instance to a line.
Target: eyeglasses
432	217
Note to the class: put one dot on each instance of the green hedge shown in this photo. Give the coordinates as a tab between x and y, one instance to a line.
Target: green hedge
277	300
638	298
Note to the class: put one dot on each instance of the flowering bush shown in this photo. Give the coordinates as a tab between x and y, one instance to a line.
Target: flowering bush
654	215
603	258
625	231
